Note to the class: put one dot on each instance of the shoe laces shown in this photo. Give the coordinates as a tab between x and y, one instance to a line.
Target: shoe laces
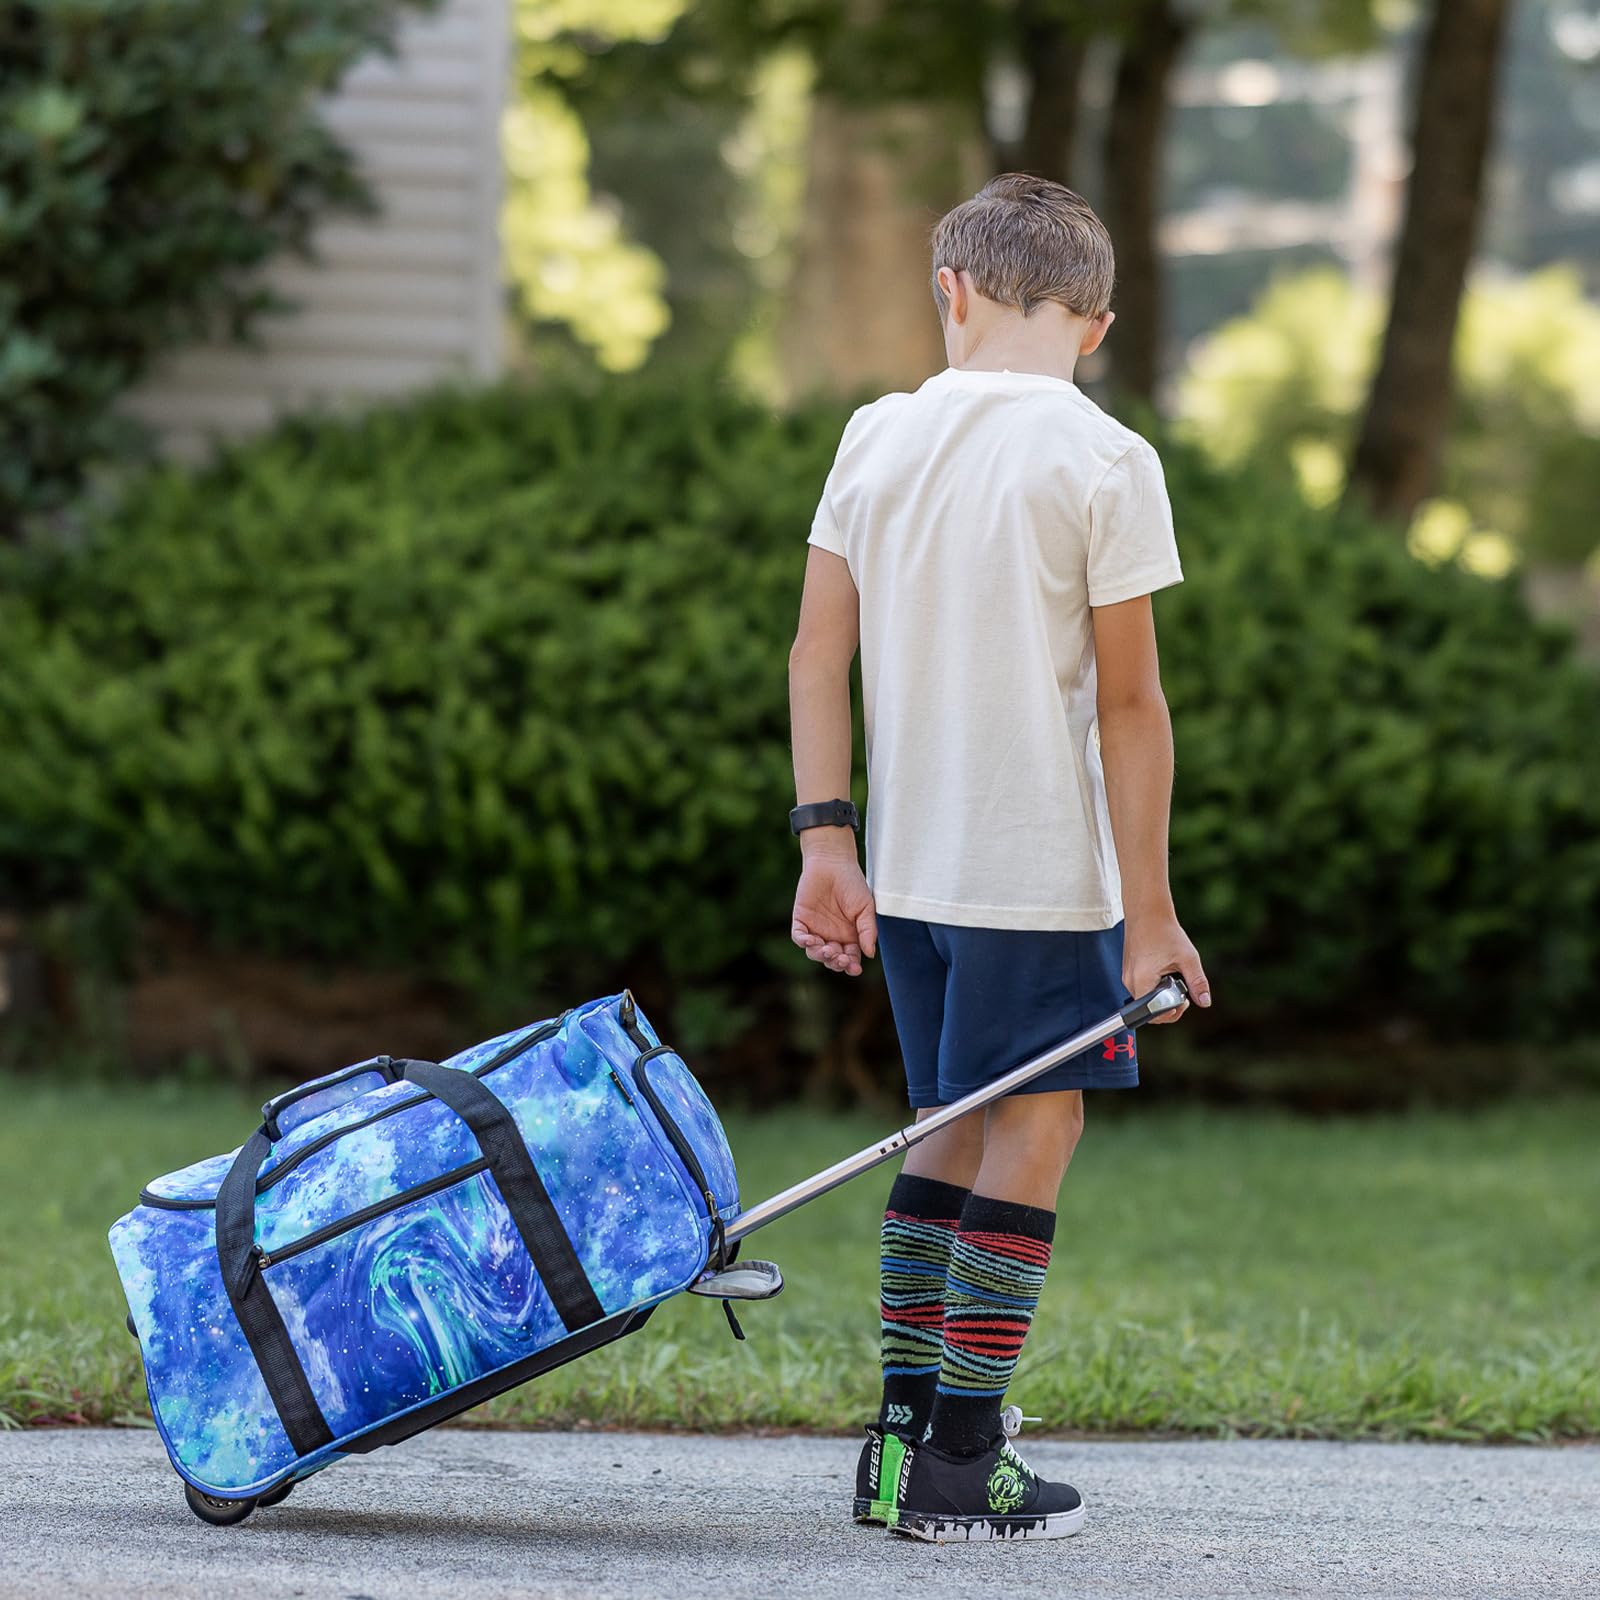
1011	1420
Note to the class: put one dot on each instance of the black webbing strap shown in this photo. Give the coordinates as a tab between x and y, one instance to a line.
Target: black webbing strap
258	1314
520	1186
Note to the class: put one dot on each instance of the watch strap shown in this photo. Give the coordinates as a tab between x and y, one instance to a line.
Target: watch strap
824	814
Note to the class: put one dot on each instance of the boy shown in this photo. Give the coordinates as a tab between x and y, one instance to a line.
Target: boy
991	543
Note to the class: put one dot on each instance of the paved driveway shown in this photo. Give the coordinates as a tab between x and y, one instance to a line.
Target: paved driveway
465	1514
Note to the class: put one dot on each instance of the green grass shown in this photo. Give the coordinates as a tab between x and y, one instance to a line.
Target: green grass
1430	1276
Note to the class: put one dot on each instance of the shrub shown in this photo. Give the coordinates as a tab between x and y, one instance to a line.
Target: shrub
492	685
152	153
1387	806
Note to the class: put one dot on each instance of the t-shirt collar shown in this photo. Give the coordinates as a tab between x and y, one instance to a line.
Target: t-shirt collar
1005	378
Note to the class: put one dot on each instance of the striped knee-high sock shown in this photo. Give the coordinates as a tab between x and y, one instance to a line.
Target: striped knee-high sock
997	1267
917	1230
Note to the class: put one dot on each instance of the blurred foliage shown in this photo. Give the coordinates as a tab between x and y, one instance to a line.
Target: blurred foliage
768	155
492	687
1546	196
1282	387
567	254
655	148
152	153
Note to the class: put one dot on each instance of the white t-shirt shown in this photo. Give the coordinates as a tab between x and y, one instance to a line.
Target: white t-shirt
981	517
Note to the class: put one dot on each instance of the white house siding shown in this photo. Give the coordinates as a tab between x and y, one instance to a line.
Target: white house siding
407	298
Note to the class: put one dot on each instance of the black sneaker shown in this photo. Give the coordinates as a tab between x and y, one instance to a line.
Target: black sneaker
996	1495
878	1475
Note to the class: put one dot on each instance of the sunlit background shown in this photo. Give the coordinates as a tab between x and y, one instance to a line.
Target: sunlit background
411	417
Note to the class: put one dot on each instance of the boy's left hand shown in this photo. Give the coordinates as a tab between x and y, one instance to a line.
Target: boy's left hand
835	920
1151	950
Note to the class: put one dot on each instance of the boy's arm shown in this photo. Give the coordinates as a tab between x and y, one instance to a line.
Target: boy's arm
1136	751
834	921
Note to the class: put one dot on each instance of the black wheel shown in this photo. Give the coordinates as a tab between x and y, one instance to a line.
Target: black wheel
219	1513
131	1329
276	1497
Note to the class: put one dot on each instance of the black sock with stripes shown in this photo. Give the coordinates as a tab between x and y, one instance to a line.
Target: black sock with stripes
997	1266
914	1254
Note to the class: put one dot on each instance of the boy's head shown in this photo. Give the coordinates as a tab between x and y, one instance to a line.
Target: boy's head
1022	245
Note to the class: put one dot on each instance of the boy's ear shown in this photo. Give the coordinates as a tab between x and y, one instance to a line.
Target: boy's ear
955	293
1095	331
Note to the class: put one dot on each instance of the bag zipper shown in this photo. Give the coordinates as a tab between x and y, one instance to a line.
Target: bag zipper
379	1208
673	1132
545	1030
628	1015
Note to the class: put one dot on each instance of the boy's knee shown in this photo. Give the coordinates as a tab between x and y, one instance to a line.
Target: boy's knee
1039	1126
1069	1128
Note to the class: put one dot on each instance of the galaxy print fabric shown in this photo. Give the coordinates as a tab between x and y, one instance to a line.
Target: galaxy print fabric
688	1106
439	1290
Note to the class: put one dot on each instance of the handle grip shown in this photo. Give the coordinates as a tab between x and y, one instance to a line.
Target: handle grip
1167	995
331	1090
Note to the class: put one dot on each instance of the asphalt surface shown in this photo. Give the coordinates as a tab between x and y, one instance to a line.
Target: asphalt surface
467	1514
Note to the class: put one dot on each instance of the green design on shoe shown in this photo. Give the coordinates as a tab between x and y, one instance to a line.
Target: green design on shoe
889	1465
1007	1488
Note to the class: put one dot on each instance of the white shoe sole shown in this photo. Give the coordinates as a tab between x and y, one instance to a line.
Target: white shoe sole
952	1530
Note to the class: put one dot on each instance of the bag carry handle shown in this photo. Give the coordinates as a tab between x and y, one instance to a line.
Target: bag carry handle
1168	995
380	1067
521	1187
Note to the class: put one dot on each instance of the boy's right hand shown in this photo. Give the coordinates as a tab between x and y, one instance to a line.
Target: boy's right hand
834	920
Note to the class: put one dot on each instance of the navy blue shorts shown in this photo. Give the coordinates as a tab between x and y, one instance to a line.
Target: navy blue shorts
972	1003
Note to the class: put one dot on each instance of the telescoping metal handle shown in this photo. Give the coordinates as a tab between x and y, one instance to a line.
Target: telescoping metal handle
1168	995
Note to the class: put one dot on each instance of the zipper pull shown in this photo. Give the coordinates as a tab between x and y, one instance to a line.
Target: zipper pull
616	1078
249	1271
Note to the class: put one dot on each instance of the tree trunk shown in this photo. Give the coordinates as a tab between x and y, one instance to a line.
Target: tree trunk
860	311
1397	453
1053	54
1134	145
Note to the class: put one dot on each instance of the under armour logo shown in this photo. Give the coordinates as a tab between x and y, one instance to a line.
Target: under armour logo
1113	1049
897	1417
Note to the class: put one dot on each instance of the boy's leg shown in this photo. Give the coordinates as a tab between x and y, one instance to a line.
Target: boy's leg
923	1213
1028	1142
1010	994
997	1263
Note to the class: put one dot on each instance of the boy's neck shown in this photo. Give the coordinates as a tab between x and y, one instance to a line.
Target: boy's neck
1043	345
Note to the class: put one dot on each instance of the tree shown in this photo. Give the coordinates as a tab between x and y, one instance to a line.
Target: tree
1052	44
152	156
897	136
1152	36
1396	455
1134	138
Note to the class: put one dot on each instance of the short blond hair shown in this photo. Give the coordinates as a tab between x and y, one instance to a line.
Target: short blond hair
1024	241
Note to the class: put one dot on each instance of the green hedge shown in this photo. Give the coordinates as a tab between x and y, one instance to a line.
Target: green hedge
493	686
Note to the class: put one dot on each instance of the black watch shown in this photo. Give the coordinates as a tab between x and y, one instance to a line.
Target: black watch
825	814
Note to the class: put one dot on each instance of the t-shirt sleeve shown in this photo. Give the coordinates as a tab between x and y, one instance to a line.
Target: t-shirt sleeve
1132	548
825	533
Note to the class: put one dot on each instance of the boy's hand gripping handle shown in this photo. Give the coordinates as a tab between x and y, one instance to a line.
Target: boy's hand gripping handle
1168	995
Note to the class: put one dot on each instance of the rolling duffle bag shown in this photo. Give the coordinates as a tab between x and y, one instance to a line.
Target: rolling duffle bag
403	1239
